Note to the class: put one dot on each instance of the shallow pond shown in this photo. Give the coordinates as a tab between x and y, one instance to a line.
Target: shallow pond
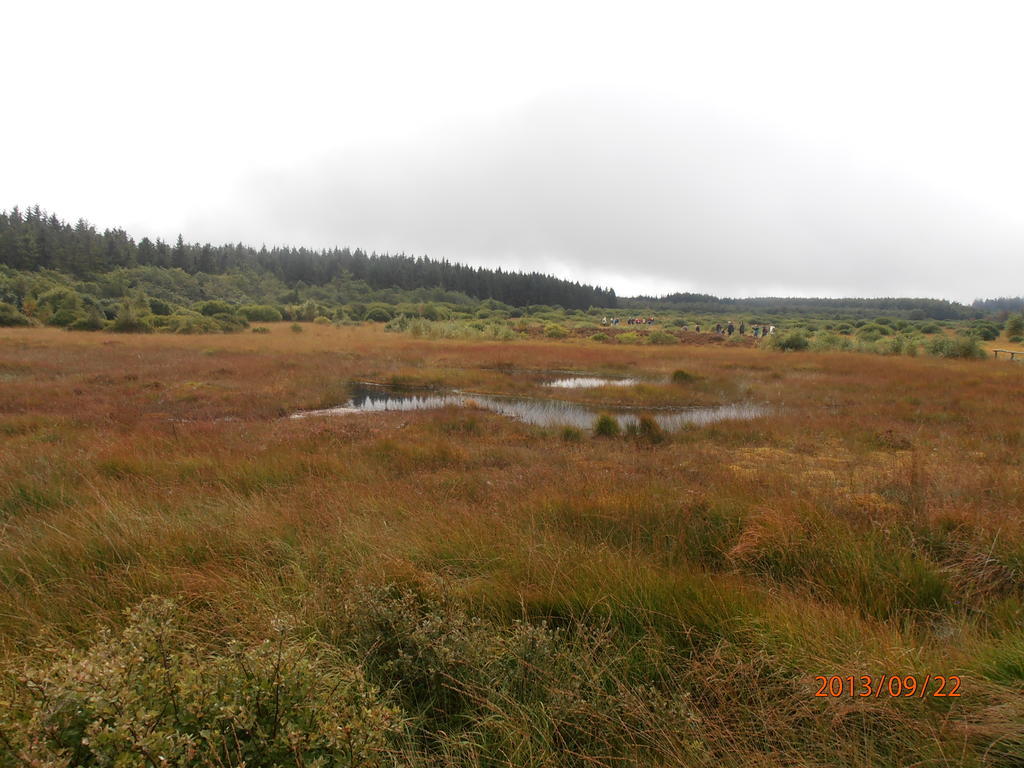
537	411
589	382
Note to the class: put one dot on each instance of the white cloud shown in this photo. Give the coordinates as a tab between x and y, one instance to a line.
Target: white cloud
735	147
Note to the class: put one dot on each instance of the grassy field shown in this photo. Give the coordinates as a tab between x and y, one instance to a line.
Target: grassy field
486	593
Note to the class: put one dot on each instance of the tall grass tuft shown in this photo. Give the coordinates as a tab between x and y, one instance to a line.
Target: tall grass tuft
606	426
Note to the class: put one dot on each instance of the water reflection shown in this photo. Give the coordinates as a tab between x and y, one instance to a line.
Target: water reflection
587	382
540	412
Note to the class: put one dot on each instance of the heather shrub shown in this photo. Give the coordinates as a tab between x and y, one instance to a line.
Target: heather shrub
151	696
955	346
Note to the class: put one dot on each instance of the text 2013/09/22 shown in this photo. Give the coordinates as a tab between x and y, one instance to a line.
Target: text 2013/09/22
875	686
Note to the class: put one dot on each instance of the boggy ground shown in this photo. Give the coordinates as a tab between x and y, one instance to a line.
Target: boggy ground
517	597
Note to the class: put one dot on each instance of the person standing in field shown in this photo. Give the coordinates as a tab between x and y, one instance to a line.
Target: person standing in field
730	328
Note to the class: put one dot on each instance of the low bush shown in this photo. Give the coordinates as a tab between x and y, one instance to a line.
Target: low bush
682	377
92	320
794	341
263	313
296	328
955	346
662	337
555	331
10	316
378	315
151	696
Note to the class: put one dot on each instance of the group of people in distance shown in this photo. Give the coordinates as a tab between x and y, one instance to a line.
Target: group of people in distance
728	329
629	321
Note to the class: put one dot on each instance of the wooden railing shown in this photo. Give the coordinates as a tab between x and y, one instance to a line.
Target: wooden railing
1013	355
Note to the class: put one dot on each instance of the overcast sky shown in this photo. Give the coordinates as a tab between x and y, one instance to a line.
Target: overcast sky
737	148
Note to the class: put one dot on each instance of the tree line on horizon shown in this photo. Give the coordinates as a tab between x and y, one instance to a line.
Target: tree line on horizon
33	240
914	308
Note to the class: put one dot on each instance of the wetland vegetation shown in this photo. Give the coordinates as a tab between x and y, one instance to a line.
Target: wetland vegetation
451	586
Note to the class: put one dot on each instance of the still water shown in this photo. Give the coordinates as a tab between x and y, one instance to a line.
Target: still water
588	382
537	411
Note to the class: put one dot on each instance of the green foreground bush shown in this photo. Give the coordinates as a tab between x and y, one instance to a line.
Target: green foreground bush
152	697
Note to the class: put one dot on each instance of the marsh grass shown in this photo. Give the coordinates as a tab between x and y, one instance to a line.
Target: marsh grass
517	597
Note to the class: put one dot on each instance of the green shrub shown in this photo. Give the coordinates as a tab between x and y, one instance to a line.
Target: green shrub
321	320
955	346
214	307
628	338
829	342
662	337
606	426
92	320
874	331
296	328
1017	339
229	323
1015	326
604	338
63	317
186	321
10	316
160	307
682	377
555	331
263	313
377	315
151	697
793	341
985	331
261	329
129	320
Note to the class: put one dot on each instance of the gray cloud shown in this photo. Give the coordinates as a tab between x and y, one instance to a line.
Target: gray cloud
635	193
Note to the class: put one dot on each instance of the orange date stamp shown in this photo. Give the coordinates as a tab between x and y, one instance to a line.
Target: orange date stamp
892	686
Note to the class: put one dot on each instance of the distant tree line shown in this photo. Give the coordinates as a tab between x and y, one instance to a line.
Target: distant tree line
914	309
33	239
1003	304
